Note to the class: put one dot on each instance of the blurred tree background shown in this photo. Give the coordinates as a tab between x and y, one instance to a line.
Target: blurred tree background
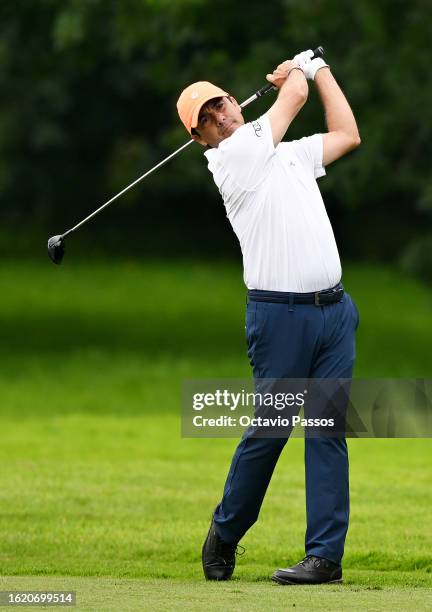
88	94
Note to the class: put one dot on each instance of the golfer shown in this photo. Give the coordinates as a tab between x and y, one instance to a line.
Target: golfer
300	322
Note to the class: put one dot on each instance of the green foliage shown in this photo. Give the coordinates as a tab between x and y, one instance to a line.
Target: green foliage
89	91
417	259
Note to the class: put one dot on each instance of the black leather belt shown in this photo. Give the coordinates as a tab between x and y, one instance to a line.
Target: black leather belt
319	298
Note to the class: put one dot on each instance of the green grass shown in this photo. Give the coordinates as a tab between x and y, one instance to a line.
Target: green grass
359	593
99	492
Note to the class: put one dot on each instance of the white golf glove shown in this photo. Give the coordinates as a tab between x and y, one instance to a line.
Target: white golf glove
309	66
303	58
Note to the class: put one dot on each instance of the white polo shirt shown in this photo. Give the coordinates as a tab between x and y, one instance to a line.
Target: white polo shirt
276	210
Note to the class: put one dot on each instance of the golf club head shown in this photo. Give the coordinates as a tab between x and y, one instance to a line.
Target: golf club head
56	249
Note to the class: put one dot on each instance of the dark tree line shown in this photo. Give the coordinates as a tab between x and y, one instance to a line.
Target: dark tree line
88	91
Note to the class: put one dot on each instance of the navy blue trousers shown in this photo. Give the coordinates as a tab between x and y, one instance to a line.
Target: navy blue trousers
295	341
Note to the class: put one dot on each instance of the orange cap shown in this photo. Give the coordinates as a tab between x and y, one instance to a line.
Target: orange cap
193	98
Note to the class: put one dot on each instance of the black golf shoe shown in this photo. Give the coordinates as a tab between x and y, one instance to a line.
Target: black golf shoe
312	570
218	556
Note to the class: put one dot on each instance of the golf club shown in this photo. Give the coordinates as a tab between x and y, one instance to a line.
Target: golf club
56	247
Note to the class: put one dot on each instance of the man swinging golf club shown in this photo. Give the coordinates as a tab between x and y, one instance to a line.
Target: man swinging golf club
300	321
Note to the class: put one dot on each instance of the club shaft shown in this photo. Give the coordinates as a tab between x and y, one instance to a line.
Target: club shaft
120	193
269	87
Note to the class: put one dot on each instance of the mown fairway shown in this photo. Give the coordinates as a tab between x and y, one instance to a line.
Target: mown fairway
98	491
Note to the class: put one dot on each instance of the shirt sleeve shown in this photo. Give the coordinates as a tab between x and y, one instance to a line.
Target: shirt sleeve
310	151
247	154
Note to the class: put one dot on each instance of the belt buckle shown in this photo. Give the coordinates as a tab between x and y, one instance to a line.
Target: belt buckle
317	296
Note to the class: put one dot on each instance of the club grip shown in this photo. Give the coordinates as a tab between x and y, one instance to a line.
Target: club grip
318	52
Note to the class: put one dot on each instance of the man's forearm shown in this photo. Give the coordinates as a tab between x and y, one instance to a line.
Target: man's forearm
292	95
338	113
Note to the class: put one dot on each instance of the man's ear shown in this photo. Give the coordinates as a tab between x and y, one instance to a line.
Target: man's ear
198	139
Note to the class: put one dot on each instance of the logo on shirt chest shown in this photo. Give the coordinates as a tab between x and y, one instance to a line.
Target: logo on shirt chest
257	127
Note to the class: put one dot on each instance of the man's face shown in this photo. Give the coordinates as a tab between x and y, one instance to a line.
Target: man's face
218	119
